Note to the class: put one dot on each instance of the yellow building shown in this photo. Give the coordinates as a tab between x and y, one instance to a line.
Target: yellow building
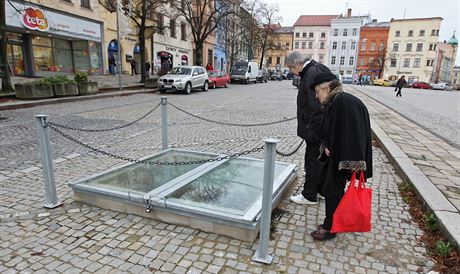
49	37
280	46
412	48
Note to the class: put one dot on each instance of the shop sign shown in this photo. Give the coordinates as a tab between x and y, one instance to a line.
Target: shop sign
404	72
34	19
177	50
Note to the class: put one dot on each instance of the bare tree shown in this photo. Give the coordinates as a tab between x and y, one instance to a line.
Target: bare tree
4	68
143	14
204	17
268	15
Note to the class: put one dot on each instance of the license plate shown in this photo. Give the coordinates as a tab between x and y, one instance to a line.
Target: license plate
168	86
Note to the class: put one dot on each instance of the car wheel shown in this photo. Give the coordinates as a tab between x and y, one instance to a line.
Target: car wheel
247	81
205	86
213	85
188	88
227	84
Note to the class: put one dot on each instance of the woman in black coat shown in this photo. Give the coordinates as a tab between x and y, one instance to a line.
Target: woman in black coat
399	85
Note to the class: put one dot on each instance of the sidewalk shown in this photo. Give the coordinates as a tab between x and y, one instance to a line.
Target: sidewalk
430	164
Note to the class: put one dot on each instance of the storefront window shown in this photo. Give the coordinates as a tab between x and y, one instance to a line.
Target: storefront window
63	56
81	56
95	53
42	52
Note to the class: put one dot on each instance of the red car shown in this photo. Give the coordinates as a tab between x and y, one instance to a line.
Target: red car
421	85
218	78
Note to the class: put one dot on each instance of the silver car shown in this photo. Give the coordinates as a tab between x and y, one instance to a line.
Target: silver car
184	79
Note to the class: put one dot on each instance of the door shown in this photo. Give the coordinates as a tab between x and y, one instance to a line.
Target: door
195	78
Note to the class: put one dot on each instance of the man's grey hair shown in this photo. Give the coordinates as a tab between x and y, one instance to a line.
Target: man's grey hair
296	58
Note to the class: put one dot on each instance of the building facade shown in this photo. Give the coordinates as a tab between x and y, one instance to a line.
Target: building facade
412	45
311	36
54	37
456	77
444	61
280	45
372	49
343	43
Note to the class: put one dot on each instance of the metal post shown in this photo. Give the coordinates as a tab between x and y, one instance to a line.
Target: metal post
164	123
261	254
47	163
119	50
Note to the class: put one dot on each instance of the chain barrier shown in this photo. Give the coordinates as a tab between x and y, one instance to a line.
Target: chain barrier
231	124
97	150
282	154
51	124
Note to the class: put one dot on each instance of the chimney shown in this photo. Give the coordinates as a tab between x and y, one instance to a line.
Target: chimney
349	13
374	20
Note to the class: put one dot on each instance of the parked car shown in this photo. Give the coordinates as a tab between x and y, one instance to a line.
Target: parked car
218	78
347	79
184	78
276	75
442	86
381	82
338	76
263	75
244	71
421	85
296	81
287	75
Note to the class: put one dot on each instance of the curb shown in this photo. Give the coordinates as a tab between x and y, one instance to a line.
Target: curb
448	216
33	103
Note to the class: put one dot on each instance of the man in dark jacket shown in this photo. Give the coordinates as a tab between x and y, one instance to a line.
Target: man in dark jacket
309	119
399	85
345	144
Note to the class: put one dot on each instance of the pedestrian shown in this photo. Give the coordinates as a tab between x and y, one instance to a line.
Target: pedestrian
209	67
345	144
133	67
111	64
147	68
399	85
309	119
360	80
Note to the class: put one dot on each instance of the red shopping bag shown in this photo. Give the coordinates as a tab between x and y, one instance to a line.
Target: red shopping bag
353	213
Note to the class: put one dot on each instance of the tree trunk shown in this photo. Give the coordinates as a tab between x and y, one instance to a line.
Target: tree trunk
198	53
5	72
142	48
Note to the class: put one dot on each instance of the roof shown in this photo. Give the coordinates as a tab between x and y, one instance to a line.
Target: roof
414	19
453	40
284	30
377	25
314	20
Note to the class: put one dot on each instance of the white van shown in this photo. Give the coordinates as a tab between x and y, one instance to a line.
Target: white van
244	71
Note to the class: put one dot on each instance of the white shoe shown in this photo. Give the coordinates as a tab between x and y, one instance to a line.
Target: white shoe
301	200
319	196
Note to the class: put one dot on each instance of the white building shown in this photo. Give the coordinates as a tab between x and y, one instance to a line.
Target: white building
343	43
311	35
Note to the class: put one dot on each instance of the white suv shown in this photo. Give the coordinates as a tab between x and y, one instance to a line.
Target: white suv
185	79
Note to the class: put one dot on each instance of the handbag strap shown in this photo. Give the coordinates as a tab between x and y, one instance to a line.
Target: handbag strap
361	183
353	179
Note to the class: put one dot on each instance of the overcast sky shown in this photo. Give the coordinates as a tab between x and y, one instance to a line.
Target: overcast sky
382	10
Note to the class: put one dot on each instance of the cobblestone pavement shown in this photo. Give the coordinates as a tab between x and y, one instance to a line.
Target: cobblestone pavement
79	238
437	159
436	110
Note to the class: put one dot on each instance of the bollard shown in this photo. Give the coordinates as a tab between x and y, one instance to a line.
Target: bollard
261	254
47	163
164	123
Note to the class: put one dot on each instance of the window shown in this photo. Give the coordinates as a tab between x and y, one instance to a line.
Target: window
310	45
333	60
398	33
85	3
344	45
417	63
411	33
364	45
372	47
437	32
431	47
433	32
321	58
336	32
393	63
353	45
371	62
434	47
304	45
345	32
310	35
342	60
351	61
355	32
269	61
321	45
323	35
395	47
421	33
349	72
406	62
297	34
304	34
409	47
382	45
341	72
161	23
288	45
429	62
278	60
183	31
361	61
334	45
296	45
172	26
419	46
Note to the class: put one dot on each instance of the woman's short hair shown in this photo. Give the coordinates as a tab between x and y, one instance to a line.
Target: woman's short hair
333	84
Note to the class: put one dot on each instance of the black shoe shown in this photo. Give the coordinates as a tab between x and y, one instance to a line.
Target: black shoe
322	235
